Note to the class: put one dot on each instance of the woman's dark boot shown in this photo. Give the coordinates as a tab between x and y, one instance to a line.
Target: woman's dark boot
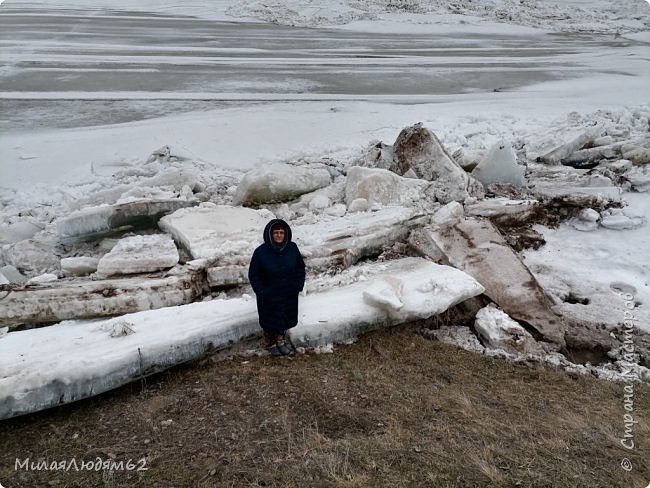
270	342
282	346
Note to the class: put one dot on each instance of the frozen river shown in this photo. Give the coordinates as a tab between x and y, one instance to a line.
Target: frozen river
75	67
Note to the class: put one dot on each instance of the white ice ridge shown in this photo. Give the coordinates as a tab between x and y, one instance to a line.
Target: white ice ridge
101	355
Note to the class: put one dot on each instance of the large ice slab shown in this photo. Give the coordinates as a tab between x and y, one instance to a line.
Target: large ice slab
139	254
562	182
500	166
345	240
102	355
33	256
95	220
217	232
9	274
227	236
417	148
18	229
583	195
79	265
621	222
476	246
380	186
499	331
400	291
279	183
107	354
504	210
227	276
449	214
637	154
334	242
639	177
559	143
79	298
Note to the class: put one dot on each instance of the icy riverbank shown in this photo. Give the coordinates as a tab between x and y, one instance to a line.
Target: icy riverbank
102	355
360	209
538	195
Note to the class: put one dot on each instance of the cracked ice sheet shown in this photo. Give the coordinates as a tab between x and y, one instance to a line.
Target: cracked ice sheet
593	265
105	354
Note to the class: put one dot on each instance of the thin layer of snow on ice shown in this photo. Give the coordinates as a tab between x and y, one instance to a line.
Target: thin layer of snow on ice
575	266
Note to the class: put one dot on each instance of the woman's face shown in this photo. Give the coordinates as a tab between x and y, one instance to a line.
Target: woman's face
278	236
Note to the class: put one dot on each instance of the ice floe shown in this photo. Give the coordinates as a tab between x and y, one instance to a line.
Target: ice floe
101	355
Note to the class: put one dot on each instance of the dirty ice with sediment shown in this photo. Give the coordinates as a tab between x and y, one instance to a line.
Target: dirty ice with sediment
488	156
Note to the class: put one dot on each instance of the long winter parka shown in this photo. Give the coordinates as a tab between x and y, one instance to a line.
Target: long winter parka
277	274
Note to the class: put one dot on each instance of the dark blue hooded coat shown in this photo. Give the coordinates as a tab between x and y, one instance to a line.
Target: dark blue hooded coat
277	274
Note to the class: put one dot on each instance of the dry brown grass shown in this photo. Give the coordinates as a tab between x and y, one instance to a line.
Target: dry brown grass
395	409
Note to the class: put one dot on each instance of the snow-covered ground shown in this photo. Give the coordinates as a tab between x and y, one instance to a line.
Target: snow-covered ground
605	265
82	117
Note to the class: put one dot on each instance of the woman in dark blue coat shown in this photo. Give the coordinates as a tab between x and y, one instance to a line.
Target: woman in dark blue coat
277	274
